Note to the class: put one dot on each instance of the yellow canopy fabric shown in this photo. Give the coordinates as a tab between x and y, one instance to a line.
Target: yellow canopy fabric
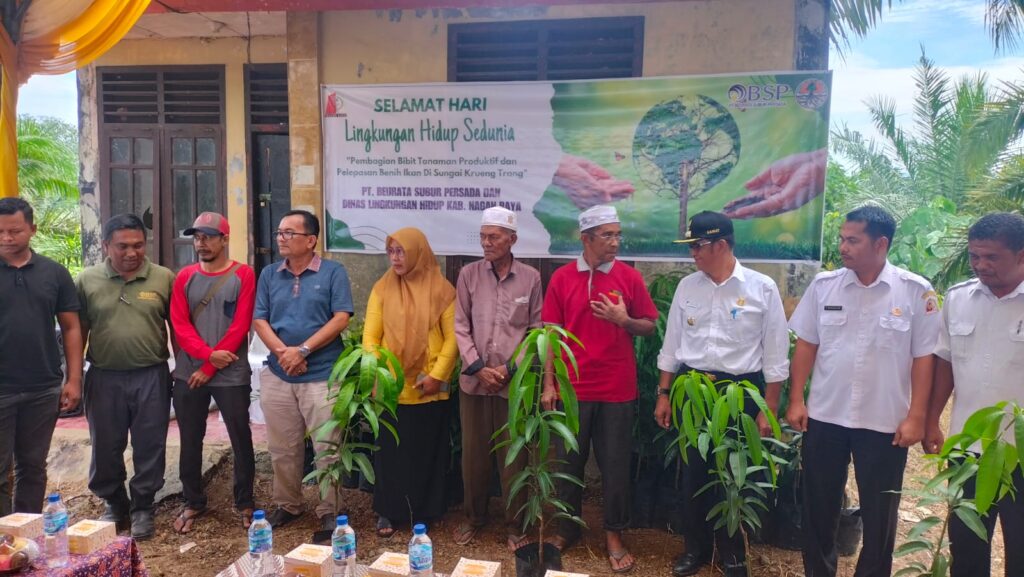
54	41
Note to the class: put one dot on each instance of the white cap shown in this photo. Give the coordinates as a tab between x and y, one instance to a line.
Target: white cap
499	216
596	216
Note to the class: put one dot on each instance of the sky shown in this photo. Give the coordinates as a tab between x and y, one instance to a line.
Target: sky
952	33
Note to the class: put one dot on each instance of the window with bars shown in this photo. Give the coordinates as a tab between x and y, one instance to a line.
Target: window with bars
172	95
267	95
161	150
577	49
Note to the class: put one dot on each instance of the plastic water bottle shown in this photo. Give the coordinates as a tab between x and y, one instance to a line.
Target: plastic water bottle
55	527
261	542
343	544
421	553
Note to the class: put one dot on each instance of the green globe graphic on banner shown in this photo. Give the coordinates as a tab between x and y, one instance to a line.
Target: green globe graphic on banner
685	146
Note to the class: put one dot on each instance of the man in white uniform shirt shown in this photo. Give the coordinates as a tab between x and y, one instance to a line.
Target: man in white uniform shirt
727	321
868	331
980	357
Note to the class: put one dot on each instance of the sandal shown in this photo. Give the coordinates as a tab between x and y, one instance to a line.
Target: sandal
384	528
516	542
185	519
464	534
616	557
246	516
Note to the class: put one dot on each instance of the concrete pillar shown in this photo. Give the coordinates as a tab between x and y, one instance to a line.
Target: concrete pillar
303	38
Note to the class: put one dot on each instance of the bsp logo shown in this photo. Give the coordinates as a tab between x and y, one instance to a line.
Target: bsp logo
758	95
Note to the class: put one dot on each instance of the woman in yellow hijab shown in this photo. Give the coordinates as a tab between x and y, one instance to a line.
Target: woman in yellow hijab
411	312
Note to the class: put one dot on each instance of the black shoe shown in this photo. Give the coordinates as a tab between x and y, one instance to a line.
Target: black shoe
118	514
142	525
735	569
280	517
689	564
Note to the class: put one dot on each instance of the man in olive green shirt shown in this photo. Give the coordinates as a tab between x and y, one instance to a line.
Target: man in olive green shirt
125	307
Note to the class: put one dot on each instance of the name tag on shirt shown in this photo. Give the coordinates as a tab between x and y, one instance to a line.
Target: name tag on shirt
833	307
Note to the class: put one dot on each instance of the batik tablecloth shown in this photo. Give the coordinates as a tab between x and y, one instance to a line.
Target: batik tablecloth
121	558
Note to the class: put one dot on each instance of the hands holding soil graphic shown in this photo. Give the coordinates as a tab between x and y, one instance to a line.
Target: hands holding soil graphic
786	185
588	184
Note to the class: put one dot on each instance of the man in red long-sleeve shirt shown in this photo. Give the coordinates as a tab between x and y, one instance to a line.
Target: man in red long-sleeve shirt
211	311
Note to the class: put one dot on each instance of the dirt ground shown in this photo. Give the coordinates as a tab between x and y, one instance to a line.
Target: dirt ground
219	538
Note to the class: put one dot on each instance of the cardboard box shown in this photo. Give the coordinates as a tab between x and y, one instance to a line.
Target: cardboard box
27	525
309	561
389	565
473	568
552	573
84	537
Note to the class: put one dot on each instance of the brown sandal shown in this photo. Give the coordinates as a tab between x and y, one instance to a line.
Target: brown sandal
187	516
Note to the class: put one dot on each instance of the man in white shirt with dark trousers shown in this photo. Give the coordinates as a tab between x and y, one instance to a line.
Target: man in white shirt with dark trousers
980	356
727	321
867	331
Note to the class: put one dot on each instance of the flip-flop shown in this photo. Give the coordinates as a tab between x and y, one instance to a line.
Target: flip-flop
185	519
464	534
617	557
384	528
516	542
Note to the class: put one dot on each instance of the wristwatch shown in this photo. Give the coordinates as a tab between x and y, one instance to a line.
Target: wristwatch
665	392
304	351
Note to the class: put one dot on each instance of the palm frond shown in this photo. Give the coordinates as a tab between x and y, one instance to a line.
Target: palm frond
853	19
1005	20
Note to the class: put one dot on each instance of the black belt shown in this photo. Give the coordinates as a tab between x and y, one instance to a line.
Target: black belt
757	379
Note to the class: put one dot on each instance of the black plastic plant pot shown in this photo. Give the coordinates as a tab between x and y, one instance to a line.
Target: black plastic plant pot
786	531
528	563
851	528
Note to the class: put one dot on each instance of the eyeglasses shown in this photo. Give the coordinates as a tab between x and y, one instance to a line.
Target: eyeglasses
609	236
290	234
397	252
701	244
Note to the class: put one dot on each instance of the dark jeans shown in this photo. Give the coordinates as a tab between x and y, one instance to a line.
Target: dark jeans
697	529
119	402
191	409
972	557
609	426
878	466
27	420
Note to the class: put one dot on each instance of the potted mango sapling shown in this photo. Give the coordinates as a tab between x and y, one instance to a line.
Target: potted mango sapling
709	416
363	385
534	429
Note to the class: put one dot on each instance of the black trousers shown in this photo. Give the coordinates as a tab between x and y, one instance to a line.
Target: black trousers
116	403
609	426
191	409
27	420
972	557
697	529
878	466
411	474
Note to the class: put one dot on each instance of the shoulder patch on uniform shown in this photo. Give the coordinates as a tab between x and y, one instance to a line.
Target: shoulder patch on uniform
931	302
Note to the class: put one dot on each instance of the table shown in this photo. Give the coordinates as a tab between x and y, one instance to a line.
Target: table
243	567
121	558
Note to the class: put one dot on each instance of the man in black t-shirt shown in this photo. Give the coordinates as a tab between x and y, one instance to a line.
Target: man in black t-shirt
33	290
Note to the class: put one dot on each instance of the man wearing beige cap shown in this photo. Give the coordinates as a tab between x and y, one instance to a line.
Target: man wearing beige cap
604	303
211	311
498	299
